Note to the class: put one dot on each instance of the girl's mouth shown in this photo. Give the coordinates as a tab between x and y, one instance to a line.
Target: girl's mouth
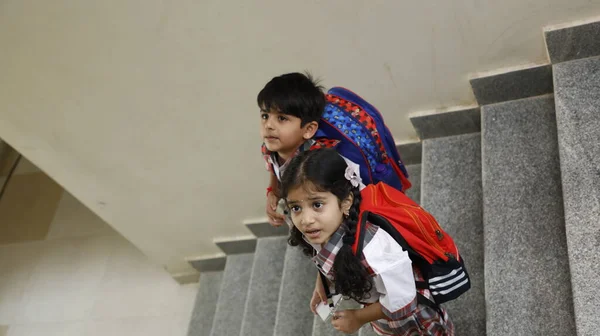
312	234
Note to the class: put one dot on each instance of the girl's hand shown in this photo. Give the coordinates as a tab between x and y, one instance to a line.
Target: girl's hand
315	300
318	295
346	321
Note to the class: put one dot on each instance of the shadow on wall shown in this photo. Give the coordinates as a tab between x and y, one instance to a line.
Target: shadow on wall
28	198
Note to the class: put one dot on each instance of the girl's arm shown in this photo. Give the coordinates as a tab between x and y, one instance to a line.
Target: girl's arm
370	313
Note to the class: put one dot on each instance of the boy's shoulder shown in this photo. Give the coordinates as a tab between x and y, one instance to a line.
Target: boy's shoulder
310	144
267	157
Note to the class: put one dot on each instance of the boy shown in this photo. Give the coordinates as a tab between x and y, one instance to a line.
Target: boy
290	108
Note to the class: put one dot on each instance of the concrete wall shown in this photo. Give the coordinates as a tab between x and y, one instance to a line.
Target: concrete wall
81	277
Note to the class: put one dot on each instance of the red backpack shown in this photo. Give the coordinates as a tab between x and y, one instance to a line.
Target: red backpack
429	247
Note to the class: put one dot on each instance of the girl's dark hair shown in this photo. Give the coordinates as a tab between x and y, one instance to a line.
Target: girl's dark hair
294	94
324	171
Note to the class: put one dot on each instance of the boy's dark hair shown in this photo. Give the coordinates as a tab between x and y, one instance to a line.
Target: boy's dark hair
324	169
294	94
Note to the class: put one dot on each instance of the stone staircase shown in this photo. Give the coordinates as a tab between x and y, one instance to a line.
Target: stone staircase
516	182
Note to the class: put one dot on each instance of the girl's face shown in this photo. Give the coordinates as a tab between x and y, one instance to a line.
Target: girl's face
317	215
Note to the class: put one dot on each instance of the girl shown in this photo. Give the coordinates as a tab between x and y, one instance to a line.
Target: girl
323	196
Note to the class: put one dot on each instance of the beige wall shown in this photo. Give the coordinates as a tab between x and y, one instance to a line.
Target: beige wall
86	279
145	110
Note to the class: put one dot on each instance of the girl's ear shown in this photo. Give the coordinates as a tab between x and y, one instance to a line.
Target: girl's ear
347	204
310	129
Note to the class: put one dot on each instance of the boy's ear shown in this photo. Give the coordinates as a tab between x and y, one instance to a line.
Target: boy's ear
310	129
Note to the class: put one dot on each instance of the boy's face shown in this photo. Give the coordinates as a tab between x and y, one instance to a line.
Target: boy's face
283	133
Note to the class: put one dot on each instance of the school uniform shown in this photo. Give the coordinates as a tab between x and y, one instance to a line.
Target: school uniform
272	159
393	277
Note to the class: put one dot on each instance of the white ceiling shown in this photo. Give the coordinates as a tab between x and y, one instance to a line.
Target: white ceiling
145	109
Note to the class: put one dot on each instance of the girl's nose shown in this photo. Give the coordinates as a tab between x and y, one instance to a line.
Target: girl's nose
307	219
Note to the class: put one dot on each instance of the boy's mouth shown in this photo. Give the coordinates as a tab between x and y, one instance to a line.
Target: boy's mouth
271	140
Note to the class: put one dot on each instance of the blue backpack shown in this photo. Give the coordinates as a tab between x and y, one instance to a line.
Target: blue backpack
356	130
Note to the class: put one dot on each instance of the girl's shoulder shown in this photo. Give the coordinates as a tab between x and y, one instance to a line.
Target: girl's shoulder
378	243
370	232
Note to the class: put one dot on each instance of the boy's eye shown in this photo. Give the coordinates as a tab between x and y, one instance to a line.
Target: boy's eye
294	208
264	116
282	118
318	205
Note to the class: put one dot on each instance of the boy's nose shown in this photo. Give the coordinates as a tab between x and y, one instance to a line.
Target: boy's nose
268	124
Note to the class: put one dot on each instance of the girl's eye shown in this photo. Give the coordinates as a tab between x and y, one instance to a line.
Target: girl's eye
318	205
282	118
294	208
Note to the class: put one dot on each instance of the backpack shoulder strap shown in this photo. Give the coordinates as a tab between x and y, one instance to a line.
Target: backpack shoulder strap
324	143
361	227
421	299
